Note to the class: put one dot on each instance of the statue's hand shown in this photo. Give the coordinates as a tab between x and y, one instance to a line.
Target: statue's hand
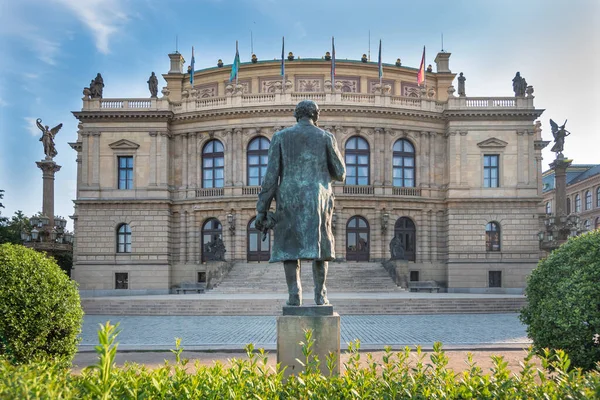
260	221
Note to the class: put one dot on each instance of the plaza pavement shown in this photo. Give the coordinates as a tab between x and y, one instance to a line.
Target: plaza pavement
232	333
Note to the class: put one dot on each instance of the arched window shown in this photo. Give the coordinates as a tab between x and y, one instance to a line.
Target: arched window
568	206
492	236
212	241
405	230
123	239
598	197
212	165
357	239
258	248
404	164
587	225
588	200
258	157
577	203
597	224
357	161
548	208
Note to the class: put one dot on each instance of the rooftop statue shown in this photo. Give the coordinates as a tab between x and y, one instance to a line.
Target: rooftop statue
519	85
303	161
559	133
153	85
47	138
461	85
97	86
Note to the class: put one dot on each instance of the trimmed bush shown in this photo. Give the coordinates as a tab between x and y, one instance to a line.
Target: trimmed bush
563	295
40	309
397	377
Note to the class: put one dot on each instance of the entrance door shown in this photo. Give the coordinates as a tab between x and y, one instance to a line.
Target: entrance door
357	239
406	231
258	249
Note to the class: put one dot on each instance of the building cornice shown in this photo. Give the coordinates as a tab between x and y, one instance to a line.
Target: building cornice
86	116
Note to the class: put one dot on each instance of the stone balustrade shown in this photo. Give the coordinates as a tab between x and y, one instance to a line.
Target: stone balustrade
192	104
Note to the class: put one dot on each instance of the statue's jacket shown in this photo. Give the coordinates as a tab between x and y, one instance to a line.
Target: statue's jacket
303	161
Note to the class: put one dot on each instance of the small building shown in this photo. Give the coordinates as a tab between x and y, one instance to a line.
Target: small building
167	186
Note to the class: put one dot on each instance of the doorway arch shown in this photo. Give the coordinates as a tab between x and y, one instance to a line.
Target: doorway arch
357	239
257	248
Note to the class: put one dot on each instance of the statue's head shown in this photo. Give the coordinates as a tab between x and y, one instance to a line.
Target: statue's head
307	109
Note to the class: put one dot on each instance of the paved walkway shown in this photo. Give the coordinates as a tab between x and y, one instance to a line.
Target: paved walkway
232	333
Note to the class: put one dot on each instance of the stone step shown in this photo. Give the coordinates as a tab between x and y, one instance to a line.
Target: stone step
204	305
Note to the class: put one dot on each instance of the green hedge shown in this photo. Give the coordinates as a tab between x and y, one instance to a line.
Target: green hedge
395	378
563	300
40	309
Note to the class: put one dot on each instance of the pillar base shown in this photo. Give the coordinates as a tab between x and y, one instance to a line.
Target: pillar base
326	335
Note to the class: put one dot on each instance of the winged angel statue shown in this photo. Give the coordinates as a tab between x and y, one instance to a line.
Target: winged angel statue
559	133
48	138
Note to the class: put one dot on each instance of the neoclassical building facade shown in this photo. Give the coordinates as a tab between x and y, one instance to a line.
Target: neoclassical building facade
167	186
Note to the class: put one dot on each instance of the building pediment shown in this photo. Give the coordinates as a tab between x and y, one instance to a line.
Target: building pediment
124	144
492	143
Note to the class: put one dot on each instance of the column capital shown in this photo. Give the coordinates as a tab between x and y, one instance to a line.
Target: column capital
153	134
95	133
463	133
520	133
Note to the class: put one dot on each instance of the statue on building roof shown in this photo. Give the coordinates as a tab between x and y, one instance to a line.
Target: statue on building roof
461	85
97	86
429	68
47	138
559	133
364	58
519	85
153	85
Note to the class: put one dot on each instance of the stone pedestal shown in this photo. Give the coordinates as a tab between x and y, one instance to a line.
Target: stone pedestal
560	166
49	168
326	335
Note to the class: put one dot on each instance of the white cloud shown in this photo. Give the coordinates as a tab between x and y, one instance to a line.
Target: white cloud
102	17
31	126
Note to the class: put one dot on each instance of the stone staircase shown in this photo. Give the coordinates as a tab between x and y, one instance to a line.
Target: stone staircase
343	277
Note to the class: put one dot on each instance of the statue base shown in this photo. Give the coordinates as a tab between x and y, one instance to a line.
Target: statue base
326	336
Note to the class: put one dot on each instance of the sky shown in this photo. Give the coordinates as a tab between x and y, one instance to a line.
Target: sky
51	49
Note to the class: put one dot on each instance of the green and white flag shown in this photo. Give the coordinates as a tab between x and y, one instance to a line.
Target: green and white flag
235	67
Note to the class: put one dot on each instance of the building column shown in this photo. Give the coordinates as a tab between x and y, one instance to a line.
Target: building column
453	168
434	236
163	165
424	228
85	158
152	173
183	236
423	170
238	173
192	160
463	159
184	164
229	158
520	159
379	159
432	137
96	159
531	179
387	157
192	248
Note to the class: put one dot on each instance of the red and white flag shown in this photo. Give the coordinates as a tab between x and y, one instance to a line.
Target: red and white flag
421	73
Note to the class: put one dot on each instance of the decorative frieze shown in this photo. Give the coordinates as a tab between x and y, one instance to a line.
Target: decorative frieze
309	84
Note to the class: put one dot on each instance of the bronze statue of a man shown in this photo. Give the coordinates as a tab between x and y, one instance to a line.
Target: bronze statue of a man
303	161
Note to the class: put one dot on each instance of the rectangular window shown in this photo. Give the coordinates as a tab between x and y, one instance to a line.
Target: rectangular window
491	170
414	276
202	277
121	280
495	278
125	172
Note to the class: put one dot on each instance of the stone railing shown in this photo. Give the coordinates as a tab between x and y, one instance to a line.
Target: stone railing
406	191
250	190
212	192
192	104
358	190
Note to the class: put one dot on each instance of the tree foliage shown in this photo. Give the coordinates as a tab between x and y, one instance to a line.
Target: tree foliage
563	295
40	307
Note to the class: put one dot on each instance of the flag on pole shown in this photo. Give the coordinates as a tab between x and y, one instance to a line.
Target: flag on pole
379	63
192	65
332	63
421	73
282	58
235	67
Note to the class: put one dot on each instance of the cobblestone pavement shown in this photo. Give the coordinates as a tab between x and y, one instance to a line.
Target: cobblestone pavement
232	333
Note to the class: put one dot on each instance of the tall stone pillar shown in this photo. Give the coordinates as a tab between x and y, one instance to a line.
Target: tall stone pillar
49	168
560	166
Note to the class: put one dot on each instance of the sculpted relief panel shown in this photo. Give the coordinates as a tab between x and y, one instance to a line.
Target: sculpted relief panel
350	84
409	89
309	83
208	90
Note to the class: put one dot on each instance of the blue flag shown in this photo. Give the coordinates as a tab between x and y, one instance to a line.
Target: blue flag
192	65
235	67
379	63
332	62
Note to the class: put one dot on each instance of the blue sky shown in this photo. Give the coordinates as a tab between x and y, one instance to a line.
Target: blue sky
51	49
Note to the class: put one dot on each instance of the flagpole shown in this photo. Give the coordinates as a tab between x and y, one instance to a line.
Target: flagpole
425	68
237	55
380	68
282	64
332	64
